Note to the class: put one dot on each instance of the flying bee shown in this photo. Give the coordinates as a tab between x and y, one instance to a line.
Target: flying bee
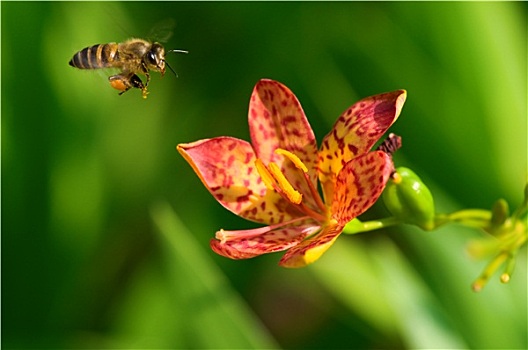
131	57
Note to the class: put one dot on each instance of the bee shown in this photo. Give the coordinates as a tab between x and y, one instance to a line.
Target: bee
132	57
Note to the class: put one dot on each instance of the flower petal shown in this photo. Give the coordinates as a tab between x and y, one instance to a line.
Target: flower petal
355	132
311	249
277	120
359	185
226	167
268	242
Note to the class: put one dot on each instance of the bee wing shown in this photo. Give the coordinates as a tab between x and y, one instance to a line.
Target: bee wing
163	30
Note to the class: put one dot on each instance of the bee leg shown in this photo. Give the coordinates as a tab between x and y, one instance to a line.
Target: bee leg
144	88
136	82
120	82
124	82
148	79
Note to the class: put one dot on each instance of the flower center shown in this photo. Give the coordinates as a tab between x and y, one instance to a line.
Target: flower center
275	180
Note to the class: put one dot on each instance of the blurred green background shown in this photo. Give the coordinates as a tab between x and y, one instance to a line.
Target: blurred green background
105	228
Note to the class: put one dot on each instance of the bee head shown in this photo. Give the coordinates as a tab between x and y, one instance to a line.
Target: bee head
155	58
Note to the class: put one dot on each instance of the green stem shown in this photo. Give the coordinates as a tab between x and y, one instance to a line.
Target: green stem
471	214
356	226
479	218
470	217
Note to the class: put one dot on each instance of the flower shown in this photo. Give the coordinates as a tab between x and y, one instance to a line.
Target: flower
273	180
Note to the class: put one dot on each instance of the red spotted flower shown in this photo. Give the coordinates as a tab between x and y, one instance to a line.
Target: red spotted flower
274	179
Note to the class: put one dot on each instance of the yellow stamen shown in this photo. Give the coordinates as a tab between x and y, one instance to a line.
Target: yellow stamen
283	183
295	160
265	175
300	165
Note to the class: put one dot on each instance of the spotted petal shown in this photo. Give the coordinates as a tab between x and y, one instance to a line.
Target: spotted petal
226	167
277	120
359	184
355	132
249	246
311	249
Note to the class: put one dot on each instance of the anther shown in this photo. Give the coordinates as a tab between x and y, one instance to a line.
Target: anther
265	175
301	166
283	183
294	159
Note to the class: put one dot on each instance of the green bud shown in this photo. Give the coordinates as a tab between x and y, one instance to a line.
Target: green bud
499	213
408	199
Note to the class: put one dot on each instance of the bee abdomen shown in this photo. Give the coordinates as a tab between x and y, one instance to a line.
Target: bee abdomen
93	57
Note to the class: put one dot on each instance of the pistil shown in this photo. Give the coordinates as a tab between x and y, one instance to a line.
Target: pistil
226	235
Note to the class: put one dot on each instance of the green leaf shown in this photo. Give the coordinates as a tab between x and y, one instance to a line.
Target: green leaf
215	315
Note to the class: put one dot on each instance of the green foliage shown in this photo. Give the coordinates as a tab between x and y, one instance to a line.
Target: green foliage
92	260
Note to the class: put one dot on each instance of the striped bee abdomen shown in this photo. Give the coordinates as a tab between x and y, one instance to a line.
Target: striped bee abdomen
97	56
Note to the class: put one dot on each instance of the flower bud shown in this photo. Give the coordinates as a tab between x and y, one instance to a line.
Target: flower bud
408	199
499	213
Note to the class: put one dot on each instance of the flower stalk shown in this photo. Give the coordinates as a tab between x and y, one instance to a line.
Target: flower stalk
505	234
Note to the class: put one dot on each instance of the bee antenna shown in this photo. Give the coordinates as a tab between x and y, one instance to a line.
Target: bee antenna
167	63
180	51
172	70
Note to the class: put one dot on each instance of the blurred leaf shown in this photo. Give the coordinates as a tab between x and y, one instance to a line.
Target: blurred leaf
422	321
348	273
215	316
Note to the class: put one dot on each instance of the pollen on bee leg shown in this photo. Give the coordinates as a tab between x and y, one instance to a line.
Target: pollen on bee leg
144	92
118	83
